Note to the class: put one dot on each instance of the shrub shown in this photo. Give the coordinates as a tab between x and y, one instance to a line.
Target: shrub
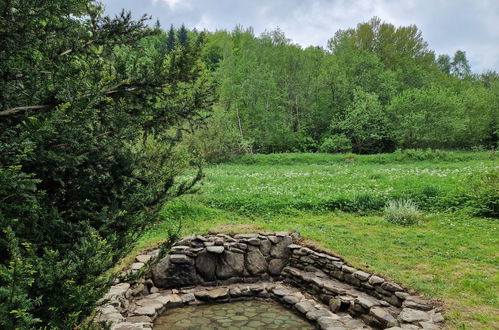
482	191
336	143
367	202
86	156
402	212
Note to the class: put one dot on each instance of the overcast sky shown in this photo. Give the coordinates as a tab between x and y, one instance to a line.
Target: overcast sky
447	25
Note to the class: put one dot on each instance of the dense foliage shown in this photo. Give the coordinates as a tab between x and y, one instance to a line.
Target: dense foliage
376	88
88	112
93	111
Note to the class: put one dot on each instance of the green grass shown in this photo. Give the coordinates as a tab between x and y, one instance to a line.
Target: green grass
281	184
448	256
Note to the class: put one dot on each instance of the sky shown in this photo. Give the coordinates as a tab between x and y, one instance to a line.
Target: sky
447	25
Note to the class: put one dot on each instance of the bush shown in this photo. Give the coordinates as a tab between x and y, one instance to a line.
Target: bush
482	190
402	212
86	156
336	143
368	202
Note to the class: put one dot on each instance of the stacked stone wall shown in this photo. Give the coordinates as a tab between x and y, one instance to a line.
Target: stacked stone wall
218	267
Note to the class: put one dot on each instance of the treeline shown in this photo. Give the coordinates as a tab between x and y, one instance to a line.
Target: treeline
376	88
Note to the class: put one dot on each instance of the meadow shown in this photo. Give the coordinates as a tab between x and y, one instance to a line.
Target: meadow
336	202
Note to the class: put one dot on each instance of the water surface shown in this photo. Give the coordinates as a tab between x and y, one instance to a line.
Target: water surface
253	314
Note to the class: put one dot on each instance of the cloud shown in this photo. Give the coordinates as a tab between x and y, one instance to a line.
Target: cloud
447	26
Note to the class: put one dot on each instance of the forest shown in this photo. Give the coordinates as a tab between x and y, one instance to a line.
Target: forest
104	121
376	88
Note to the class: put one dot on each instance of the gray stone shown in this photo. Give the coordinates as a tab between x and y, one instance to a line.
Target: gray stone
255	262
168	275
291	299
186	240
144	258
410	326
265	246
383	316
276	266
173	300
136	265
281	250
315	314
393	300
108	309
235	292
402	295
139	319
412	315
330	322
294	246
241	246
273	239
334	304
247	236
230	264
219	293
201	238
349	278
215	249
181	249
354	323
363	276
304	307
391	286
254	241
117	290
366	302
205	265
111	317
348	269
145	310
156	304
128	326
279	291
187	298
154	253
180	259
374	280
415	302
438	318
429	326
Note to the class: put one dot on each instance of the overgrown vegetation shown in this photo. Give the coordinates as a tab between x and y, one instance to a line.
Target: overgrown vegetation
102	121
402	212
88	119
262	185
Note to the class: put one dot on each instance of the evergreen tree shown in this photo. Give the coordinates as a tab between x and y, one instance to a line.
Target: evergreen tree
170	40
87	155
182	36
157	25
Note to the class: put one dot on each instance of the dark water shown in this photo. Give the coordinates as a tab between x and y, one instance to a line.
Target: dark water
253	314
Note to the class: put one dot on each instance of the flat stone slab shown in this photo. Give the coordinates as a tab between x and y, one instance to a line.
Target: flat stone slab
215	249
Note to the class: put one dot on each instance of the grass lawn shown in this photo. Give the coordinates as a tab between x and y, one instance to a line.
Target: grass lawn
449	256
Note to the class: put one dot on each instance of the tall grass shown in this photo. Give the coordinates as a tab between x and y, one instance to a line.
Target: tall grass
262	185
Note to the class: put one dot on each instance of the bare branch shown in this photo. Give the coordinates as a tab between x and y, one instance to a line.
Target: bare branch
12	111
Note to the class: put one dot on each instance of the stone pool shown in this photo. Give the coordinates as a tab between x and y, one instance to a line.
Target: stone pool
252	314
